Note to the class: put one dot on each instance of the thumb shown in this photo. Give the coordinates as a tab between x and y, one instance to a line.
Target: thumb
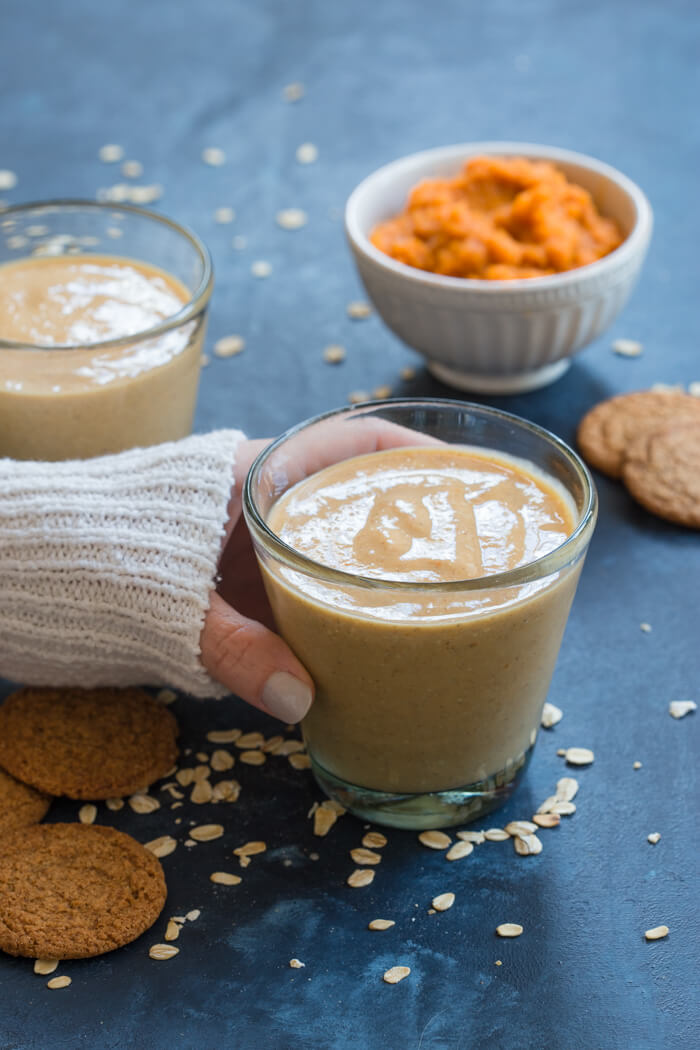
254	663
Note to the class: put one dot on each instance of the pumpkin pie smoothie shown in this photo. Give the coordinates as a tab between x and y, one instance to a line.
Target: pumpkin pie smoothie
433	646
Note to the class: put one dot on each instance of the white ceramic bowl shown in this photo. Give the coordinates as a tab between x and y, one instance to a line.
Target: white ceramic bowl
498	337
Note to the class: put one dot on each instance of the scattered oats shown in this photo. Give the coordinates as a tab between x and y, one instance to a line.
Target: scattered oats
163	951
443	901
358	310
290	747
365	856
261	268
250	740
407	373
521	827
293	92
115	804
201	792
213	156
201	772
435	839
314	856
459	850
296	964
527	845
561	751
653	838
382	392
145	194
563	808
142	803
185	776
681	708
567	789
239	243
579	756
207	832
356	396
551	714
334	354
224	215
163	846
45	966
694	388
193	914
190	842
498	963
229	346
172	931
180	919
110	154
324	819
223	736
249	849
115	232
132	169
374	840
17	241
166	696
307	153
360	877
59	982
226	791
636	765
547	820
477	837
244	861
299	761
496	835
646	627
225	878
509	929
176	805
222	760
202	756
37	231
627	347
173	791
8	179
656	933
381	924
87	813
396	974
253	758
273	743
291	218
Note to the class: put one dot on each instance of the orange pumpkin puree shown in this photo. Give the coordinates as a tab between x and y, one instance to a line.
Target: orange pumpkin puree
499	219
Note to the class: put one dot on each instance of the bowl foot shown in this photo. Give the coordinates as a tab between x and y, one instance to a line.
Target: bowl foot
514	383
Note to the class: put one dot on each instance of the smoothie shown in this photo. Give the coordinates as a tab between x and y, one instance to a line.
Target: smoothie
63	393
423	687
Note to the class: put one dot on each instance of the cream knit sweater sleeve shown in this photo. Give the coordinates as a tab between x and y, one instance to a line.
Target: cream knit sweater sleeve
106	564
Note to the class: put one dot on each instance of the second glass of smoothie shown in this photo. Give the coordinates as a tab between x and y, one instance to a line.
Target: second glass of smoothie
421	558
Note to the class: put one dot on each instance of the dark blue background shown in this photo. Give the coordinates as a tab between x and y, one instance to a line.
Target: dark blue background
618	80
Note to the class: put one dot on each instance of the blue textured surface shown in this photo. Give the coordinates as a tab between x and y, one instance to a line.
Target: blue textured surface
618	80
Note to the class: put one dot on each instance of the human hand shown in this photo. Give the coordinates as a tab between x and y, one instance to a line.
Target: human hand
239	646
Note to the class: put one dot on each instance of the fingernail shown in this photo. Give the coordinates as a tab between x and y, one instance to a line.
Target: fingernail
286	697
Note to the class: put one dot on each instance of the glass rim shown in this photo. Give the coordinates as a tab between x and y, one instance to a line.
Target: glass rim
534	570
195	304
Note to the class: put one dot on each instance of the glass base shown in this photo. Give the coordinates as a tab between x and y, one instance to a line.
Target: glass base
432	809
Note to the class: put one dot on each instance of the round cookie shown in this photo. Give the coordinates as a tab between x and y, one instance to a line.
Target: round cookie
86	743
20	804
662	472
70	891
605	432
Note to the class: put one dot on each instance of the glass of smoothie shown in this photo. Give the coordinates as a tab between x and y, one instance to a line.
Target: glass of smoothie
420	558
102	316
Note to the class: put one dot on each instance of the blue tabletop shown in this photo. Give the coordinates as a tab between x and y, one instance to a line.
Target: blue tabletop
616	80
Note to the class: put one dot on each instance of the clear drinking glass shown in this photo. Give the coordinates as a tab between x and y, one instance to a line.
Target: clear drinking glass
428	695
90	398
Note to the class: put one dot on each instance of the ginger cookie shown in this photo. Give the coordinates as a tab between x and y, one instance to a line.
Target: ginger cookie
20	804
605	432
662	472
86	743
70	891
